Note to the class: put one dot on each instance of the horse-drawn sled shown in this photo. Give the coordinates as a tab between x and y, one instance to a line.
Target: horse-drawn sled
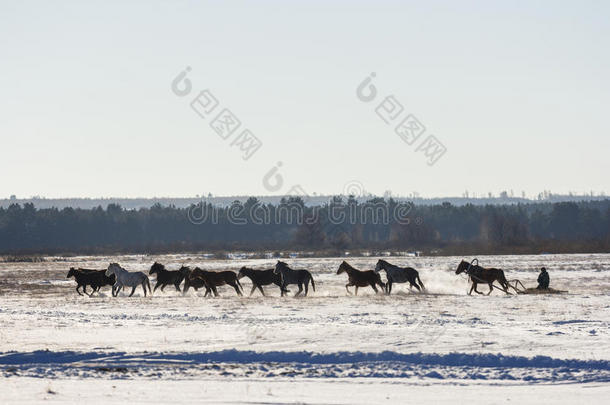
481	275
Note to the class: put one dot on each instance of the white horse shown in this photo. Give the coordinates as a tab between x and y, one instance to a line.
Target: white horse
127	279
397	274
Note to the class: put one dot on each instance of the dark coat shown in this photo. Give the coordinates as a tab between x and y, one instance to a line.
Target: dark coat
543	280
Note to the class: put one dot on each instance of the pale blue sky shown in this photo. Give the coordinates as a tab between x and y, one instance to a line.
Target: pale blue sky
518	92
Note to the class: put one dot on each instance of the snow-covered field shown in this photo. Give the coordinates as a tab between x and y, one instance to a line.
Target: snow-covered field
325	348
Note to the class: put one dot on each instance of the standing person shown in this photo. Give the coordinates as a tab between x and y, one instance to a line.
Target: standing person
543	279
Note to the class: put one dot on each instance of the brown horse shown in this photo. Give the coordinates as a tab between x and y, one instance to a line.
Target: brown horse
198	278
360	278
478	274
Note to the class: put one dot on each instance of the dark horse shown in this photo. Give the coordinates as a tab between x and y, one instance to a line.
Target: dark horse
260	278
290	276
397	274
198	278
478	274
166	277
360	278
94	278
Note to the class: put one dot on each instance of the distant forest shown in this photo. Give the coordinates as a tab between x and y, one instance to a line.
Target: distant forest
339	225
504	197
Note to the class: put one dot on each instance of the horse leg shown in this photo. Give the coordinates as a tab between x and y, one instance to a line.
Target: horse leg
163	287
347	289
77	287
356	293
260	288
300	290
306	287
133	289
177	285
157	286
471	288
389	287
215	291
374	288
282	289
414	285
491	288
253	289
144	287
234	285
475	288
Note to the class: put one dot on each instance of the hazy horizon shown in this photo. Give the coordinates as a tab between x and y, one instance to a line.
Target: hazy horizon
515	92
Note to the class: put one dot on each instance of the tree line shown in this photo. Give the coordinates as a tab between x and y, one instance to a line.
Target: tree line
341	224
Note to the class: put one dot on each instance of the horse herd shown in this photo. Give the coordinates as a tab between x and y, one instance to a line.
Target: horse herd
281	275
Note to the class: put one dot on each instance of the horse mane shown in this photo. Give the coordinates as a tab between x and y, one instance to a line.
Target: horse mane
283	264
158	266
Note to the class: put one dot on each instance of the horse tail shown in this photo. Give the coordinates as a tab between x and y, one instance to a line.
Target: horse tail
313	285
420	283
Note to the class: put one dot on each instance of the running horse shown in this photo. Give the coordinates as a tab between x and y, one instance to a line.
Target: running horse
126	278
478	274
359	278
198	278
260	278
397	274
290	276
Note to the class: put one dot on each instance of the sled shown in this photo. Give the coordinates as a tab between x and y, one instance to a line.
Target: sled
521	289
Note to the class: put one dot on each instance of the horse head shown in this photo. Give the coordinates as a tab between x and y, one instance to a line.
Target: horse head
380	265
343	267
156	268
279	266
243	272
185	271
71	273
462	267
112	268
